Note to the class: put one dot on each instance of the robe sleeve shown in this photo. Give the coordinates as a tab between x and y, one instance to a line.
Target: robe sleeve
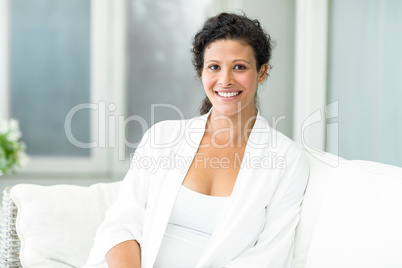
124	219
274	247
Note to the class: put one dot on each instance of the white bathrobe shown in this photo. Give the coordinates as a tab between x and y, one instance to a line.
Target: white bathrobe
257	227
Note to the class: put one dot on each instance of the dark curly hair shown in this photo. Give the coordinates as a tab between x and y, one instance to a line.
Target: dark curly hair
233	27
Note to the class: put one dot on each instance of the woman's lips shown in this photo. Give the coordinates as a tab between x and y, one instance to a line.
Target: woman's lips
227	95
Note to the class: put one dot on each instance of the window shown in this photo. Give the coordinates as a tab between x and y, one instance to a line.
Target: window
365	67
49	47
94	66
348	66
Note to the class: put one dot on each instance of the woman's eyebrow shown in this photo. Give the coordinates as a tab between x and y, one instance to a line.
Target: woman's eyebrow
242	60
233	61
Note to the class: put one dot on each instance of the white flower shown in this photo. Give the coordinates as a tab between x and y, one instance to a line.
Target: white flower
11	148
14	135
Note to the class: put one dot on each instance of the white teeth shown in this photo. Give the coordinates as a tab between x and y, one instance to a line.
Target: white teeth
228	94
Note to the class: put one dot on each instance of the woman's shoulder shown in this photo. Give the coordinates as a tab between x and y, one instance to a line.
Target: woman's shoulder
283	145
273	138
167	133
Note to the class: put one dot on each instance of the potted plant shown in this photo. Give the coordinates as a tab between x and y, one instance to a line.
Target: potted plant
12	150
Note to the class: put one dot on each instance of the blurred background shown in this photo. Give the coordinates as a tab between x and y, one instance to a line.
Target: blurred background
86	78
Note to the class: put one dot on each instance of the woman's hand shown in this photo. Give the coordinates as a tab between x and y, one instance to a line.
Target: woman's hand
126	254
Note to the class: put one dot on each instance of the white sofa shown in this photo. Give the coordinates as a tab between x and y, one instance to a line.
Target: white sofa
351	217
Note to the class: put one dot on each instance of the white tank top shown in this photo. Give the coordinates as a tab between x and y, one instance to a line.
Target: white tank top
191	223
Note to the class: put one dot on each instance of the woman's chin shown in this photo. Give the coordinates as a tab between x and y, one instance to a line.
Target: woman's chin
229	110
226	111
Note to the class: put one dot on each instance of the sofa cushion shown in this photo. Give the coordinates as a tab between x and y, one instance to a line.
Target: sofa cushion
57	224
351	216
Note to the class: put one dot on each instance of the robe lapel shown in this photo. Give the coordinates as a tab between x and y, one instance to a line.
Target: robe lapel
173	179
224	229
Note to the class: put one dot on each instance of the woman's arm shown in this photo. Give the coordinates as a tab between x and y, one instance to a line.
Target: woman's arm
124	220
126	254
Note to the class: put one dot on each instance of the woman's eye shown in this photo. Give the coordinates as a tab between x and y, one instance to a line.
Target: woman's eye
240	67
214	67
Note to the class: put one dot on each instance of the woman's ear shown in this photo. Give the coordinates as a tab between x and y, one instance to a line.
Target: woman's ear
263	73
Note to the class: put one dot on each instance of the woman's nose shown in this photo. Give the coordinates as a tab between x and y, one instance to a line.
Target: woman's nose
225	79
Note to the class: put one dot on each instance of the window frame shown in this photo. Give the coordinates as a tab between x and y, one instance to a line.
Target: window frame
311	72
108	85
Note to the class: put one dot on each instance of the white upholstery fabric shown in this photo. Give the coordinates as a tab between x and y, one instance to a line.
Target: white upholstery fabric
57	224
321	170
351	216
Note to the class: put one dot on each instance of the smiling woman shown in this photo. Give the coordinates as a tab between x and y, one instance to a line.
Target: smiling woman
249	33
230	77
224	209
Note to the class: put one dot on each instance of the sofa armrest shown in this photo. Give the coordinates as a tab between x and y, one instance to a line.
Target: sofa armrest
9	242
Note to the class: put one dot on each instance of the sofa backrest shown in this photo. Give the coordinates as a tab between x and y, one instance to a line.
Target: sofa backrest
351	215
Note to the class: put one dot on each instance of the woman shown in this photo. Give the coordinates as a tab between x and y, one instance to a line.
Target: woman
237	202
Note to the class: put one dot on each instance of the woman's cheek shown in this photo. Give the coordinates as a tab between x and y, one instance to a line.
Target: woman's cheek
208	81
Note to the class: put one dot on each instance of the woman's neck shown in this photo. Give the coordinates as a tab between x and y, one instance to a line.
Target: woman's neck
231	129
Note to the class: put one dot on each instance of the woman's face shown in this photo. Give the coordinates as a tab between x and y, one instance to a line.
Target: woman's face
230	76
